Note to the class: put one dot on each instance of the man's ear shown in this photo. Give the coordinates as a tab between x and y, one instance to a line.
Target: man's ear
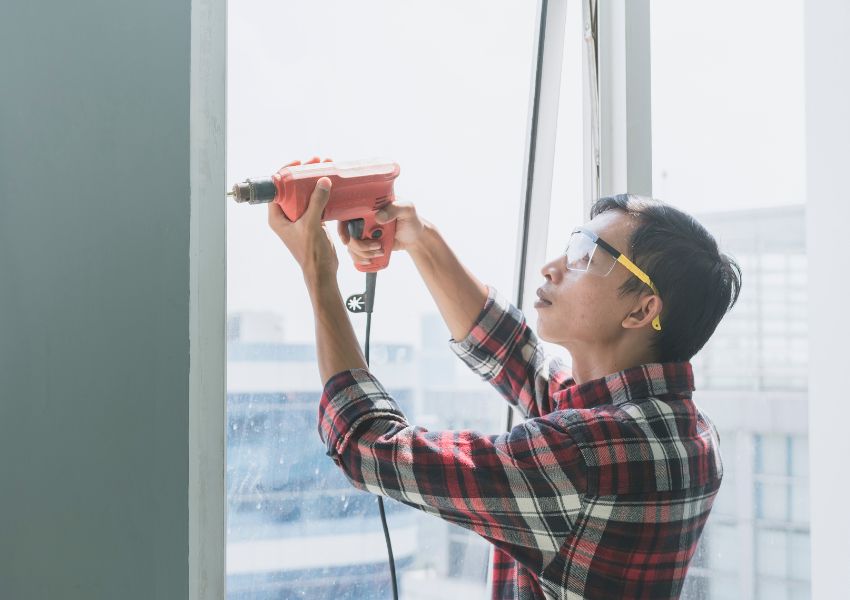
643	312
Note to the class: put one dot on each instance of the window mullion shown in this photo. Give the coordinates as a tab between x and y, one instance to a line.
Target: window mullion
625	107
207	303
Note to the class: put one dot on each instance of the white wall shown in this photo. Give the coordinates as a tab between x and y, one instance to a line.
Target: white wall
828	217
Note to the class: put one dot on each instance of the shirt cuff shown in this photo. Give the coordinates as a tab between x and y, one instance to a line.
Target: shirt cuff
350	398
493	334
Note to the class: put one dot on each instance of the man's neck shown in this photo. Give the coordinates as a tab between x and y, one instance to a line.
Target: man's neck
593	364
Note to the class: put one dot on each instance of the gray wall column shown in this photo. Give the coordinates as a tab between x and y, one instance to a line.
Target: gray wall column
94	299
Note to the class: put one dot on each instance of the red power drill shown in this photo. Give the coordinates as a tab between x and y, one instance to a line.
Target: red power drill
359	189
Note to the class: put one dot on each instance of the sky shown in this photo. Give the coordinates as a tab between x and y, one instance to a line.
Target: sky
443	87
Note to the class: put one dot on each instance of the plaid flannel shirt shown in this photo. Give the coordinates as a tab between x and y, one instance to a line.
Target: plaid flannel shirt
601	492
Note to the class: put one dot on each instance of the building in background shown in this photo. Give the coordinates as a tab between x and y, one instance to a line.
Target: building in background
296	527
751	380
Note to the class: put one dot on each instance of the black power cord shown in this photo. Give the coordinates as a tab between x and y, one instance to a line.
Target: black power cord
360	303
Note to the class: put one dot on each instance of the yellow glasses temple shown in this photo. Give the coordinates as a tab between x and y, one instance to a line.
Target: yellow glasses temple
656	322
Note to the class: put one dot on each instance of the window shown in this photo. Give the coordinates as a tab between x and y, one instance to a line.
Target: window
568	192
728	147
404	81
443	89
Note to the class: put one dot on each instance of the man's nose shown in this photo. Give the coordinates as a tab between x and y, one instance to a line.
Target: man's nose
552	271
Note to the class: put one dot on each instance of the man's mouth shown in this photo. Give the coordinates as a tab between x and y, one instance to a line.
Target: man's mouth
542	300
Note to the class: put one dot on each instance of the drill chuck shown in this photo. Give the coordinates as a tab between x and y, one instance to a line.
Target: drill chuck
254	191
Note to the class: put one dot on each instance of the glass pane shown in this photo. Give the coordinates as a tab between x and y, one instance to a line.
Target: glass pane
772	501
728	127
800	501
799	456
719	587
772	455
442	88
772	589
746	98
724	548
800	565
725	502
567	199
772	552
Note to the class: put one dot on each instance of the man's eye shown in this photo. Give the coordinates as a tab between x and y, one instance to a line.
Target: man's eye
580	261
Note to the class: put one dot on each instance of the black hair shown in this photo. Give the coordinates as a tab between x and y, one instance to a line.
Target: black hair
697	283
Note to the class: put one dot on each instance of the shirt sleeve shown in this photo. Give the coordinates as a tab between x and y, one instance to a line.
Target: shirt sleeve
502	349
516	489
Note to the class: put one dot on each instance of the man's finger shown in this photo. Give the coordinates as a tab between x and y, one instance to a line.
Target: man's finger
392	211
276	214
318	200
342	230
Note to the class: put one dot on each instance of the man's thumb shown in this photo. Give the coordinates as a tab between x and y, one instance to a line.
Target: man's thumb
319	199
387	213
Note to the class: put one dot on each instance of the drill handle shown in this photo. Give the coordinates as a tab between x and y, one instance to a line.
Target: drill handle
367	228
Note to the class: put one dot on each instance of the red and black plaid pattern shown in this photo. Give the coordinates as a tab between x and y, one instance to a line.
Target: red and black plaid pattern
602	492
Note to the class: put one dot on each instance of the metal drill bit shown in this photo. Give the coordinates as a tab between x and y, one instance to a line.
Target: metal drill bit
254	191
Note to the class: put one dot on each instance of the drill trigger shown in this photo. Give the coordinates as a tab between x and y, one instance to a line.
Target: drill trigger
355	228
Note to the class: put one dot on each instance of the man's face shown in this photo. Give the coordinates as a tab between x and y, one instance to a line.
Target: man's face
586	309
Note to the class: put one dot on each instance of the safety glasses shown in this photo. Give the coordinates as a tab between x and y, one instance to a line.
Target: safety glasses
582	255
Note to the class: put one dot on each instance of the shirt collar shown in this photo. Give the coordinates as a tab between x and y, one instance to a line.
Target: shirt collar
629	385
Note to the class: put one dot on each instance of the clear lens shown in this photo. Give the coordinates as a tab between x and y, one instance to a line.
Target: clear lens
583	254
579	251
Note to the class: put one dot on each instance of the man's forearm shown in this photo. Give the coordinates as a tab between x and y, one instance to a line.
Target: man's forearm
459	295
337	347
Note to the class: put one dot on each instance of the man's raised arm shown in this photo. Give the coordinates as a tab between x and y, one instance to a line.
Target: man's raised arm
458	293
488	333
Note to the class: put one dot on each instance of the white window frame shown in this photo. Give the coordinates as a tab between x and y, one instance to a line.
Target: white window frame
625	100
539	163
207	301
623	158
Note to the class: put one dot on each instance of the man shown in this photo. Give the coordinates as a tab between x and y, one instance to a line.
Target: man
604	489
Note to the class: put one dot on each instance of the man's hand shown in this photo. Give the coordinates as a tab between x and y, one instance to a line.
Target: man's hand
307	238
408	230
